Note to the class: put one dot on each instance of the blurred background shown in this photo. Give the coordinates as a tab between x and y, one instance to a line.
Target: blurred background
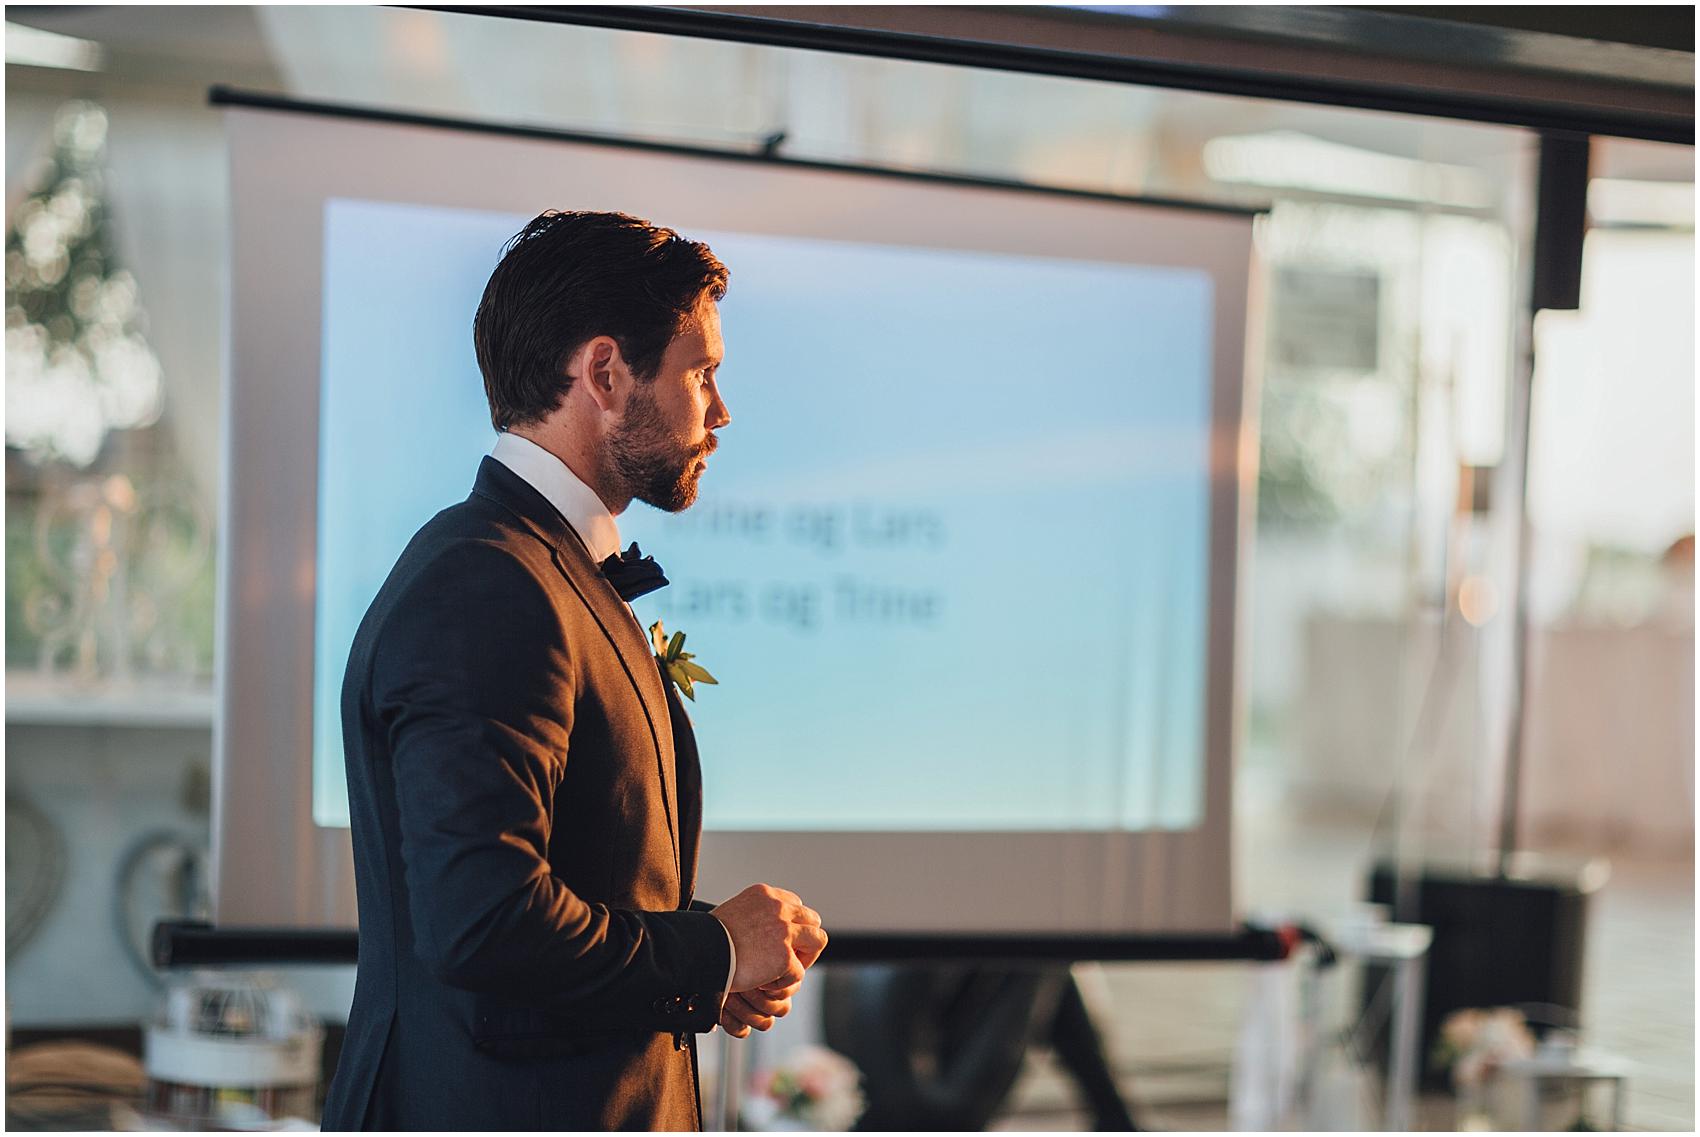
1394	256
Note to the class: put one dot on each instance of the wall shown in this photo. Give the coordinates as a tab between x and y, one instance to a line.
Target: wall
102	788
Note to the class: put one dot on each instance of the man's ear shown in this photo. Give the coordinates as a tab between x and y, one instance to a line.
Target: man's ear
603	373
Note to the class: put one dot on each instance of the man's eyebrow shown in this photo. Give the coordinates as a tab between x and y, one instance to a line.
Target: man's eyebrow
708	359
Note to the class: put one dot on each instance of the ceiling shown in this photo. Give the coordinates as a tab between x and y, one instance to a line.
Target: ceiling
460	65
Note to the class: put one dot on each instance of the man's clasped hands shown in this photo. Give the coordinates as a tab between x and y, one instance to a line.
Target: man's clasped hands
776	937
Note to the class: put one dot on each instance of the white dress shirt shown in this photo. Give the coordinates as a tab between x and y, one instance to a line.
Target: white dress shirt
589	517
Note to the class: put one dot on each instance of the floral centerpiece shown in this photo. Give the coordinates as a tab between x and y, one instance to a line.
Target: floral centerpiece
812	1089
1474	1043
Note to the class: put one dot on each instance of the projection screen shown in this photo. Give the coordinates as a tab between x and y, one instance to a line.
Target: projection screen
964	563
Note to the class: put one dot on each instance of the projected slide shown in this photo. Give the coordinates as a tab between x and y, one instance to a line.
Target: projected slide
949	562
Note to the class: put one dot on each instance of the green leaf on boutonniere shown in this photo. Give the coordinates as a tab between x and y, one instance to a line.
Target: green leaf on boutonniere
677	664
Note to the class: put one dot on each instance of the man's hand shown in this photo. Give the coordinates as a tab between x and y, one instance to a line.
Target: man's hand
759	1008
776	937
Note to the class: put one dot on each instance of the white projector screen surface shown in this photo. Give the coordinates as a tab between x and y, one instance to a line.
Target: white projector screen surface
949	566
963	562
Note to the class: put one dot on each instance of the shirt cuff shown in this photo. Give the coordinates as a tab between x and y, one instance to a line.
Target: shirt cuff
732	968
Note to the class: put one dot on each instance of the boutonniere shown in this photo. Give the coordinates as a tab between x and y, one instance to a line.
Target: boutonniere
677	664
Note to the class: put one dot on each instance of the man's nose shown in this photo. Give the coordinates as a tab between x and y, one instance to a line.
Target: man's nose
718	415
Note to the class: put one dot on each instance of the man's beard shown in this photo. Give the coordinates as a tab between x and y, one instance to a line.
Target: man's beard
651	463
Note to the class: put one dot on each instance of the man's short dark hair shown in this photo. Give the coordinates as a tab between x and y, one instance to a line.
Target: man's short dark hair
568	277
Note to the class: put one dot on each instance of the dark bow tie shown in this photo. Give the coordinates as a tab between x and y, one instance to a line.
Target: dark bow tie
632	574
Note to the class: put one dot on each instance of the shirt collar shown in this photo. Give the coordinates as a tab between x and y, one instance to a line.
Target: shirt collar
574	500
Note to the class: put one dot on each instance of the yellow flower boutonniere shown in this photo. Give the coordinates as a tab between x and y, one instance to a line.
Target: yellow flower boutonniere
677	664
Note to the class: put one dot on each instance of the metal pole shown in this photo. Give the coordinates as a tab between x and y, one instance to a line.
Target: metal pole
1511	799
1407	1027
1561	195
731	1081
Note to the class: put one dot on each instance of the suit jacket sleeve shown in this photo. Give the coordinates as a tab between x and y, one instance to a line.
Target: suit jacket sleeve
473	681
731	948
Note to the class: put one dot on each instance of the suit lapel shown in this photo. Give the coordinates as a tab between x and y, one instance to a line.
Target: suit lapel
573	561
688	770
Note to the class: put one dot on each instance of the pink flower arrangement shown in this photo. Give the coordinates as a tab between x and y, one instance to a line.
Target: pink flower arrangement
813	1088
1474	1043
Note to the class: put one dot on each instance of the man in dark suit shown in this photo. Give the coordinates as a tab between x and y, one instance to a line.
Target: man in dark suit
523	781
